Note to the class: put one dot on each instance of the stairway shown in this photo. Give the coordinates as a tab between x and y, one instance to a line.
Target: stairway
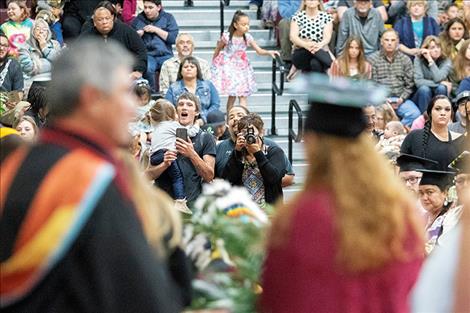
203	22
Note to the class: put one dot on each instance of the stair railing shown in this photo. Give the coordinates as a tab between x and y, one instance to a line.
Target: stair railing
276	90
222	6
294	136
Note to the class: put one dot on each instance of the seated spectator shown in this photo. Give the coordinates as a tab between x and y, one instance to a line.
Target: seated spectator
460	126
11	76
393	69
27	128
169	70
51	12
384	114
260	169
461	68
196	158
76	13
435	141
362	21
310	32
397	10
431	69
464	85
451	12
38	109
344	5
371	118
158	30
217	126
226	147
452	37
414	27
189	79
287	9
107	27
18	26
352	62
37	54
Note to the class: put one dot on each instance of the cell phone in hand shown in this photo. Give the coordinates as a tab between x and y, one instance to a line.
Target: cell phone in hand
182	133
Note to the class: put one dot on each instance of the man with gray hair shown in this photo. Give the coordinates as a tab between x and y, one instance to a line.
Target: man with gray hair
169	70
71	235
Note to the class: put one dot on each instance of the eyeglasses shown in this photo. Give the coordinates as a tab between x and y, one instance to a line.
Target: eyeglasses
104	19
411	180
5	45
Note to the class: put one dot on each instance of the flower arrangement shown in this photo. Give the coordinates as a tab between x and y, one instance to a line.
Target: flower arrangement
224	238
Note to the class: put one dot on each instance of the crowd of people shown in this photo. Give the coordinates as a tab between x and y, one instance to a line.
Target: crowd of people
94	88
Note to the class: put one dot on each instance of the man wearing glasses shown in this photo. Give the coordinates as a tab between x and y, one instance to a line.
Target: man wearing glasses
11	77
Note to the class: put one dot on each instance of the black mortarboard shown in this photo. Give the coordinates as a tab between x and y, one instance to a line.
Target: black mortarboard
409	162
336	105
461	163
442	179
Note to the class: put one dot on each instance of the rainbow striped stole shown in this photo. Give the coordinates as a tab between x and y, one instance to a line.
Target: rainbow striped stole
59	209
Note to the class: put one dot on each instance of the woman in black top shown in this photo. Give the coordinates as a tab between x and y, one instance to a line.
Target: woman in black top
435	141
258	167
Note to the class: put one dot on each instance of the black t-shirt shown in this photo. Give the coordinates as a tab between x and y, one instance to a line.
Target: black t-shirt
440	151
204	144
14	76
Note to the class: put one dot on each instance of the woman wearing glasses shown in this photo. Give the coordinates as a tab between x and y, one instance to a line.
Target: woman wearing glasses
37	55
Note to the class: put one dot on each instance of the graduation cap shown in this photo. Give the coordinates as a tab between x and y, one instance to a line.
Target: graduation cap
336	105
442	179
461	164
409	162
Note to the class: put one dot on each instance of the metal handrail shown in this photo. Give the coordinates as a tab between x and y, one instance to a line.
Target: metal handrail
275	89
297	137
222	26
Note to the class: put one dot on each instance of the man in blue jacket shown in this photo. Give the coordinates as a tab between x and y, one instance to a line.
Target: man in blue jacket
158	30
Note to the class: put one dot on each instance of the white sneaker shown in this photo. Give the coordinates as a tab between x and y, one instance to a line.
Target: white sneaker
253	7
180	205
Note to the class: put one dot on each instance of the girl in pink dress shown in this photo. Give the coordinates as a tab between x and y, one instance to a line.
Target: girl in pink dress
231	70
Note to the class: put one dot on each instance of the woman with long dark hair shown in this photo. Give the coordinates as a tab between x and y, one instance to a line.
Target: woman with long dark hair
435	141
453	36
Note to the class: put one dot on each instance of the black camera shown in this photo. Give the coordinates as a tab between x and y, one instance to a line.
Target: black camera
250	136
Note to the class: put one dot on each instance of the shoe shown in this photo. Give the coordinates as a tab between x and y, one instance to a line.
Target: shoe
180	205
188	3
253	7
292	73
227	3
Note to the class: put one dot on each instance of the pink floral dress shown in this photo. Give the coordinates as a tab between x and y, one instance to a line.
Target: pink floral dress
231	71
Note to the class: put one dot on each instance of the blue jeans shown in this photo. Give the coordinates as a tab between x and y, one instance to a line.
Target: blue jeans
424	95
173	172
408	112
154	64
259	3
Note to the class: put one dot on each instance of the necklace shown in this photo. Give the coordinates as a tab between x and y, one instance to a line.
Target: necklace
441	138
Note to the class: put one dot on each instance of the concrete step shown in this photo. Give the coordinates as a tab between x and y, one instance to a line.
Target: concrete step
211	44
214	4
252	56
207	14
196	23
261	102
214	34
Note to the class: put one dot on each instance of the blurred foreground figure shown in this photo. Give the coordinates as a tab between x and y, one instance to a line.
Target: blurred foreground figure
346	243
71	235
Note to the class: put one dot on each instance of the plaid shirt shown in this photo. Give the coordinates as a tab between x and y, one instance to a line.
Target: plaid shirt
396	75
169	72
